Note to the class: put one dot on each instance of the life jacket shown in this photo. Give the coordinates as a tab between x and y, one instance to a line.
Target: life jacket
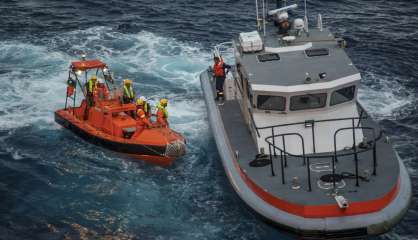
164	111
218	69
141	113
143	120
71	84
91	86
146	106
128	92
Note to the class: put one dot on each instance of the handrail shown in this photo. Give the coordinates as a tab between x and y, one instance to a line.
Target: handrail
253	123
314	121
218	48
283	152
333	156
355	153
328	155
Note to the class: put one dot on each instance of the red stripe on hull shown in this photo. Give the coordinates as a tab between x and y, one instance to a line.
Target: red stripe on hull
320	211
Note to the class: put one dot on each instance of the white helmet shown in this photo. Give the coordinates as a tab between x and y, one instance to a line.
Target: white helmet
283	16
298	24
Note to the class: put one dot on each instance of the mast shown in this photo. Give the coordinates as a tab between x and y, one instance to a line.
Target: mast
306	19
264	18
256	14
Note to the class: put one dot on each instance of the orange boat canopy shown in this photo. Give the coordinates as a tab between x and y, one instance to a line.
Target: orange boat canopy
88	64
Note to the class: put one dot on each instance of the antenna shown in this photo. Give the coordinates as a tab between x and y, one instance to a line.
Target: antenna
256	13
306	19
264	18
320	22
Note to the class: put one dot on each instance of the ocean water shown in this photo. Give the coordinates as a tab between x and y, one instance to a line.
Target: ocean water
54	185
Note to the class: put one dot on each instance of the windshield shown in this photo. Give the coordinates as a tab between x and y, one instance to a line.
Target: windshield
274	103
308	101
343	95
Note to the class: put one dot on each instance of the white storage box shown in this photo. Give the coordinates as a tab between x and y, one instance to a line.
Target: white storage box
250	41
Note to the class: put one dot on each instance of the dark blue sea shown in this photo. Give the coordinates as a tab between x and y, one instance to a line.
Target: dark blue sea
54	185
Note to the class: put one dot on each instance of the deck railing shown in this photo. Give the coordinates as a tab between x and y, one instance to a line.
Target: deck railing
334	155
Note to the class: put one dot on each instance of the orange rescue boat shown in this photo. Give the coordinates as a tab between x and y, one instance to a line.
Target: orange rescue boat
110	123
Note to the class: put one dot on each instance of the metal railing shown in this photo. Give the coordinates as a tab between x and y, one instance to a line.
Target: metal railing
333	155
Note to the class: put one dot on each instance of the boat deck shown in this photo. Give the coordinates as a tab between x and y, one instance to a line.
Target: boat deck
379	186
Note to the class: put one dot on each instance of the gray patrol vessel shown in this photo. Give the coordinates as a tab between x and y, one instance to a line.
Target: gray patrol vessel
296	144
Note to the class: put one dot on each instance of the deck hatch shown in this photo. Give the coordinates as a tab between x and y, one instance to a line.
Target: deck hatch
317	52
268	57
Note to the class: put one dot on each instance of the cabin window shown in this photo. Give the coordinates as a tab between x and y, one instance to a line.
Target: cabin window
343	95
274	103
308	101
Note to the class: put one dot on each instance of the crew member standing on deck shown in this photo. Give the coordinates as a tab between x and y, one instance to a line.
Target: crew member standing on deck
162	113
128	91
144	105
142	118
91	90
220	69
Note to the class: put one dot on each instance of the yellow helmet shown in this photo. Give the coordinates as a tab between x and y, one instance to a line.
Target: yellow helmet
140	101
93	77
164	101
127	81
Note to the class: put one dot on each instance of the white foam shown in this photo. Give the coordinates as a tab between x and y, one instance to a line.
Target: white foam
32	85
35	86
385	98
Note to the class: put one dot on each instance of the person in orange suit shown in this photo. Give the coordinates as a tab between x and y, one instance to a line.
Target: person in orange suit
91	90
162	114
142	118
220	70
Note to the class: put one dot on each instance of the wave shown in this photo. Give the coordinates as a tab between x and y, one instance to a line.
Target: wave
33	76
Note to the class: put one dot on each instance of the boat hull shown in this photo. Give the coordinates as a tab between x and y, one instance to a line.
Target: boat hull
155	154
374	223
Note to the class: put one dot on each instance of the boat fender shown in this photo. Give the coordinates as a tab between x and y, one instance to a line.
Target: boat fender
261	160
